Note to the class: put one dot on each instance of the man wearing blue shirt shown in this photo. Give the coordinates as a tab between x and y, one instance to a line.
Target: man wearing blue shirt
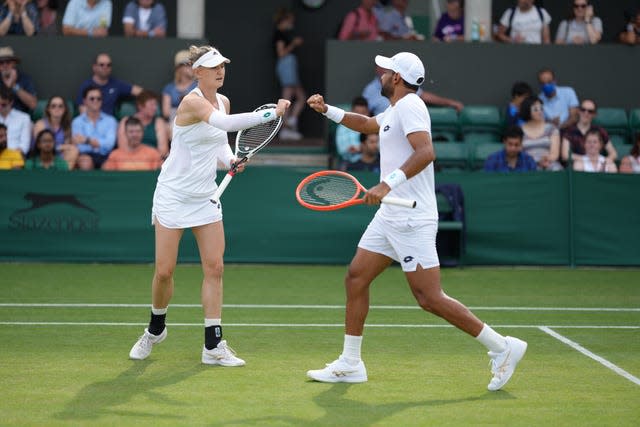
94	132
511	158
113	90
560	103
89	18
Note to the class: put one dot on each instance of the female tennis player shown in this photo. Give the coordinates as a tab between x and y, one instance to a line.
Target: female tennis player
182	200
407	236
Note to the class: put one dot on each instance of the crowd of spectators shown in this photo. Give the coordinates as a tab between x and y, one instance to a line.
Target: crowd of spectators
557	129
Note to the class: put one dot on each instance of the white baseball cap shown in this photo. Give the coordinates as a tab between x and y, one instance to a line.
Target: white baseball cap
408	65
211	59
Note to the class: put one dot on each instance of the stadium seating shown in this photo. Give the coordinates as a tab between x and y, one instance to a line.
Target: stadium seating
479	120
634	122
422	25
451	156
126	108
445	124
615	121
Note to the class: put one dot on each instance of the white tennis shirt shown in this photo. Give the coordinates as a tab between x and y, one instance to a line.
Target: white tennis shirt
408	115
191	167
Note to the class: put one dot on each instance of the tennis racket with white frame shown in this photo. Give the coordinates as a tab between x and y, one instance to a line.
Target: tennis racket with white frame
330	190
248	142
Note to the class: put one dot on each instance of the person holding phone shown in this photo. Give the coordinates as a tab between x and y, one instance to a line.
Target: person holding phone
582	27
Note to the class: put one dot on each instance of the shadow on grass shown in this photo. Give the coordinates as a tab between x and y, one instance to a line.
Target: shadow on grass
340	410
100	398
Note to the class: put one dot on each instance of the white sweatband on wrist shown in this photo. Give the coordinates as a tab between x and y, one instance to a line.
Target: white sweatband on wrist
268	115
395	178
236	122
334	113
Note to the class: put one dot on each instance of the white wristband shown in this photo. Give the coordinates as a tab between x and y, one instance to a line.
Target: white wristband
395	178
334	113
267	115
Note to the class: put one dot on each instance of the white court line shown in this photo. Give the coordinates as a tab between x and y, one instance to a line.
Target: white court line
587	353
307	325
321	307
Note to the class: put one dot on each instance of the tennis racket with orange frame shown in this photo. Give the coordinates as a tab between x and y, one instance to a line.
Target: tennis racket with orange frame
330	190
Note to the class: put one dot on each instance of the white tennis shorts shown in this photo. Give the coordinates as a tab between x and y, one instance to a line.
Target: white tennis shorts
411	243
173	210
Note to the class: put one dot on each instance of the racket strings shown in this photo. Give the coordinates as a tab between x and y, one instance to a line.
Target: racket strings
254	138
329	190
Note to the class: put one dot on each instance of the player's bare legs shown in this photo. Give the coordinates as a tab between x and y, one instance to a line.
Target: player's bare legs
426	288
167	242
210	238
364	268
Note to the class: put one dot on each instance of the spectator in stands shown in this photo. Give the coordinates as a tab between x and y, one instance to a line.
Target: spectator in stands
143	18
44	154
91	18
57	119
511	158
360	23
573	137
370	154
541	139
285	43
631	163
560	102
347	140
14	79
155	131
378	103
631	34
93	131
9	158
183	83
582	27
593	161
113	90
18	17
450	26
134	156
395	24
17	122
49	20
519	92
525	23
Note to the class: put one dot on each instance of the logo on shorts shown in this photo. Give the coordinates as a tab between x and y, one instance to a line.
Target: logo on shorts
407	259
386	128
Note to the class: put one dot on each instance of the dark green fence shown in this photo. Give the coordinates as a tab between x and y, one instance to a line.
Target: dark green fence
557	218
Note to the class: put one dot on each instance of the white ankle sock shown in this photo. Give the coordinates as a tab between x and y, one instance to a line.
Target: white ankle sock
351	348
158	311
492	340
212	322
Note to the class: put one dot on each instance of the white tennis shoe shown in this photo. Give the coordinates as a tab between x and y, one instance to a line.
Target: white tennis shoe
222	355
340	371
504	364
142	348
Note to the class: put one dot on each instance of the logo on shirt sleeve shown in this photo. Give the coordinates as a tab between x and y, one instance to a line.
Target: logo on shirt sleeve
386	128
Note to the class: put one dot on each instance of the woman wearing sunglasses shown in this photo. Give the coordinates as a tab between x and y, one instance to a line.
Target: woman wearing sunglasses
582	27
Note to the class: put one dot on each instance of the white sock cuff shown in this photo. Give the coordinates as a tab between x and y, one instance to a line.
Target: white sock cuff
158	311
352	346
212	322
492	340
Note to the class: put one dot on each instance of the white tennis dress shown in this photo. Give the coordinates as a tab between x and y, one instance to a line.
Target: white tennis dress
405	235
187	180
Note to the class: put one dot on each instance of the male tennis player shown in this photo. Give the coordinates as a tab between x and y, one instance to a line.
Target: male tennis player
407	236
182	200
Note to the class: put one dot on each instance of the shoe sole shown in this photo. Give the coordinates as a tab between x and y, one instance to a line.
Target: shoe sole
226	365
517	356
351	380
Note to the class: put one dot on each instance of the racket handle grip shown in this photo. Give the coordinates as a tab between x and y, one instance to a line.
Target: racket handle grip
399	202
221	188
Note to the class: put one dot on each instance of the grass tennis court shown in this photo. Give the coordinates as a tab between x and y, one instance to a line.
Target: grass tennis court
66	331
